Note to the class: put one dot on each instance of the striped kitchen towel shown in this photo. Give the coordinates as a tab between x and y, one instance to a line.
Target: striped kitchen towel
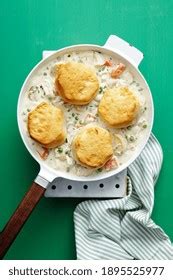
122	228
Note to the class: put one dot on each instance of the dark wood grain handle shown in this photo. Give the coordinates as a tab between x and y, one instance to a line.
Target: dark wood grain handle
23	211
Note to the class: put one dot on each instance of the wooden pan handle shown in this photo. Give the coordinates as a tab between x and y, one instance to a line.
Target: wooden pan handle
20	216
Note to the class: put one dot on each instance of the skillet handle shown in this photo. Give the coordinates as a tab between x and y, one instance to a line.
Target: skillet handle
19	217
125	49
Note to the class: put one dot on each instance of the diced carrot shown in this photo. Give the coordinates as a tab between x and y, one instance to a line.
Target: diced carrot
108	63
110	164
118	71
44	153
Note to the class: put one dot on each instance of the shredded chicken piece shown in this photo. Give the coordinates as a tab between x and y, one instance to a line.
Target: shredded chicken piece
90	118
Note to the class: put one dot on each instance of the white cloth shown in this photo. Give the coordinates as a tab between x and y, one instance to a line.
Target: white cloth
122	228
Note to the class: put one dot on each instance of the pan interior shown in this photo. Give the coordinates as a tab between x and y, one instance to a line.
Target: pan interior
53	58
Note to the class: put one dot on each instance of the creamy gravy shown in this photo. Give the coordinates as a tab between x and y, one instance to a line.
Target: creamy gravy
125	140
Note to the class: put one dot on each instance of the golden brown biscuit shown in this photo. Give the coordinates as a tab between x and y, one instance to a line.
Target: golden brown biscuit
92	146
46	125
119	107
76	83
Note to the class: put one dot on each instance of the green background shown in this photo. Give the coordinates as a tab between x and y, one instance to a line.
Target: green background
28	27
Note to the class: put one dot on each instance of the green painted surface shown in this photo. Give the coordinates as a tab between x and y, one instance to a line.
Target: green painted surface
28	27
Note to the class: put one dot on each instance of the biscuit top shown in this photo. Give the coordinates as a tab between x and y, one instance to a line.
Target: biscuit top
118	107
46	125
76	83
93	146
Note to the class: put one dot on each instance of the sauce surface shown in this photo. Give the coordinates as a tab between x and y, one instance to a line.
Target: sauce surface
125	140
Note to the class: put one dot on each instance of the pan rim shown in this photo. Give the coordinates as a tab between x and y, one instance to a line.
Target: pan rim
57	173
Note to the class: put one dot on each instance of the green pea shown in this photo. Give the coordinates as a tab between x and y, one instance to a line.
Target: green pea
132	138
99	170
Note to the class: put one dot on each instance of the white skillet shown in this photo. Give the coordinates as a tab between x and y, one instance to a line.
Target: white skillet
131	57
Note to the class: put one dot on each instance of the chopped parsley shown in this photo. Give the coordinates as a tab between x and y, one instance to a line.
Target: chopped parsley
60	150
100	90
